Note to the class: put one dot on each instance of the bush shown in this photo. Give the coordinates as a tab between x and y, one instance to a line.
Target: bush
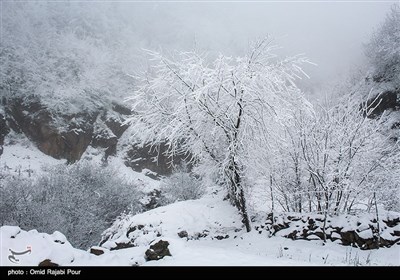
15	193
80	200
180	186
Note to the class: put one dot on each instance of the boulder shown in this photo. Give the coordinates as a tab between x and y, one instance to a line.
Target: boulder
96	251
48	263
348	237
220	237
122	245
292	235
392	222
183	234
320	234
157	251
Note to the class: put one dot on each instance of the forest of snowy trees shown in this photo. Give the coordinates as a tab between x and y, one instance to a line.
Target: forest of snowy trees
244	124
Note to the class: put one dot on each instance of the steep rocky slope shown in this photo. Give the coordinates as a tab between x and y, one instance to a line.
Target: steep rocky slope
68	136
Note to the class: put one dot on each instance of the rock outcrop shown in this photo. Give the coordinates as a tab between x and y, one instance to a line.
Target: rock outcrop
68	141
349	230
153	158
67	136
388	100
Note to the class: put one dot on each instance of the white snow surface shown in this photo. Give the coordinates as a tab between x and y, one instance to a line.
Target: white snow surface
210	213
20	157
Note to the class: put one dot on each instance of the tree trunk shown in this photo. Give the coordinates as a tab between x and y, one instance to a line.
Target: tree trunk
236	193
272	198
235	179
337	204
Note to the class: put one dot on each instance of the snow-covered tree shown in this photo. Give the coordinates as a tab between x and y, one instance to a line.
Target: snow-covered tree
333	161
383	50
69	55
222	112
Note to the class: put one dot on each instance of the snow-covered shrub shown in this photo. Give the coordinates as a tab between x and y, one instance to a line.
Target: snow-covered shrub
335	161
80	201
181	185
15	193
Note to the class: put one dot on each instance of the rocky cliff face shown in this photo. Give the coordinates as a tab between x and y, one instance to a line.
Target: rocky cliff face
68	136
152	158
40	126
388	100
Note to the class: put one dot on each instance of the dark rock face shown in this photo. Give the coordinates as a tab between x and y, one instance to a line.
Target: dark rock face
4	130
108	128
109	143
386	101
68	136
157	251
117	126
48	263
152	158
37	123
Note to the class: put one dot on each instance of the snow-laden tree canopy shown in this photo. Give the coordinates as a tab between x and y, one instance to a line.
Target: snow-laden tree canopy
223	112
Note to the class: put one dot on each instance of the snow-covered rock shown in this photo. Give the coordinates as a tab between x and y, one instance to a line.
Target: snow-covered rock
359	230
37	247
207	217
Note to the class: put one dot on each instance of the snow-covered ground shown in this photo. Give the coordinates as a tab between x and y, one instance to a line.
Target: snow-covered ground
209	216
215	235
20	157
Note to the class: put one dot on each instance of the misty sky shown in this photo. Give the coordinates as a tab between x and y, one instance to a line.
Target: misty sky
329	33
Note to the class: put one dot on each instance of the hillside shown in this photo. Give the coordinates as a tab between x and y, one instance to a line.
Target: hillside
143	134
205	232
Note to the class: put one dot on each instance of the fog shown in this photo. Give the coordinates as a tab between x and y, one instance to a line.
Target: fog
331	34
